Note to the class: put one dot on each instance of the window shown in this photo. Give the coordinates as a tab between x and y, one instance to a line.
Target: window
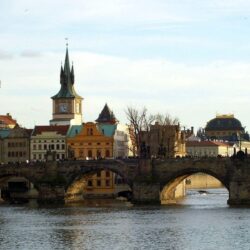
107	183
80	153
57	146
107	153
90	153
34	146
90	183
45	146
63	146
52	146
98	183
107	174
89	131
98	153
39	146
98	174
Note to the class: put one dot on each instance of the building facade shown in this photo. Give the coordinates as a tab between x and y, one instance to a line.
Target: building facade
93	141
208	149
165	141
15	145
45	138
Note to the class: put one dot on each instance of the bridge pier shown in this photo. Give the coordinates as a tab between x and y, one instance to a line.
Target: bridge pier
146	193
239	185
49	194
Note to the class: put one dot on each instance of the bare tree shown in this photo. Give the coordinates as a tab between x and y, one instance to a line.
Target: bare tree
139	122
161	137
166	119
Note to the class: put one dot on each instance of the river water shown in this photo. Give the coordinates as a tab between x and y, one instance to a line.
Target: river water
200	221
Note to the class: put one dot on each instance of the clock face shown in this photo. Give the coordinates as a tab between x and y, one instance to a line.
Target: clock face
63	107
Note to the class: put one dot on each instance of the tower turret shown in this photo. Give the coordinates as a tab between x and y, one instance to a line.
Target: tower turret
67	104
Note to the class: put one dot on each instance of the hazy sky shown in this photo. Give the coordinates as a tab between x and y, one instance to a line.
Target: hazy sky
190	58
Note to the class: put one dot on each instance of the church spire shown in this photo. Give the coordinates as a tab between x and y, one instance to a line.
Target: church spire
72	75
67	64
67	79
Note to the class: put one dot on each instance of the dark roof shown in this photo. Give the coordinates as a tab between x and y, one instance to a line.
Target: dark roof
224	123
67	80
106	116
60	129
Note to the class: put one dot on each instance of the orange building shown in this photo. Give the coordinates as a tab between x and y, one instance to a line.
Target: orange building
93	141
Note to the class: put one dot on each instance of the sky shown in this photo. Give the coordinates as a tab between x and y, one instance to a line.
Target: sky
187	58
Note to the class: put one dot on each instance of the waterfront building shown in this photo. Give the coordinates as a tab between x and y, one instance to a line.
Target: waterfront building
93	141
67	104
49	137
165	140
225	127
209	148
6	121
15	145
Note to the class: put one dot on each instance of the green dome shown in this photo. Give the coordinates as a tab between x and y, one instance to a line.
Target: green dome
225	122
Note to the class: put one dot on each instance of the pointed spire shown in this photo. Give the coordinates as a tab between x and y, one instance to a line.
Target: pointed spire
66	63
72	74
67	79
106	116
61	75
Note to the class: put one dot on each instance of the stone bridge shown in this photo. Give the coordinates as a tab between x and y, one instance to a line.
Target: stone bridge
151	181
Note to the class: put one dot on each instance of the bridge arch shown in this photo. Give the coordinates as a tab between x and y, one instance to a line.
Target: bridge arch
168	187
18	187
76	185
173	173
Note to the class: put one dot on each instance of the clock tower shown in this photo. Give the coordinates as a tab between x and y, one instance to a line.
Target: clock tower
67	104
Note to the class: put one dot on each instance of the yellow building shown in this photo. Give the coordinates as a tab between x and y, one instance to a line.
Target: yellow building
91	141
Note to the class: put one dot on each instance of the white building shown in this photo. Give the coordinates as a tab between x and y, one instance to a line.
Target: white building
44	138
208	148
122	141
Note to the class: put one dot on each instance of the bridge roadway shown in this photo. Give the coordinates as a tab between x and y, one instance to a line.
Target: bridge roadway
151	181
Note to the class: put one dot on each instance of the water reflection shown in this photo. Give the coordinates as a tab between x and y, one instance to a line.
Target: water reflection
198	222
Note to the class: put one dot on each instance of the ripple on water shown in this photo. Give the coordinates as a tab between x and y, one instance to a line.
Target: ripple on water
200	222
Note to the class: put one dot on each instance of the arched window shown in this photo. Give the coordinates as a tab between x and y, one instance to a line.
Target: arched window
98	153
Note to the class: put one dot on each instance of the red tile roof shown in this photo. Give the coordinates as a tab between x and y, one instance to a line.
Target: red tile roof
206	144
60	129
7	120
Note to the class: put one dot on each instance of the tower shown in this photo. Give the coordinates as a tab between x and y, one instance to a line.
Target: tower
106	116
67	104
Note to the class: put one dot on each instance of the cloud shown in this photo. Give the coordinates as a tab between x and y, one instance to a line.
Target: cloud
192	92
30	54
4	55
